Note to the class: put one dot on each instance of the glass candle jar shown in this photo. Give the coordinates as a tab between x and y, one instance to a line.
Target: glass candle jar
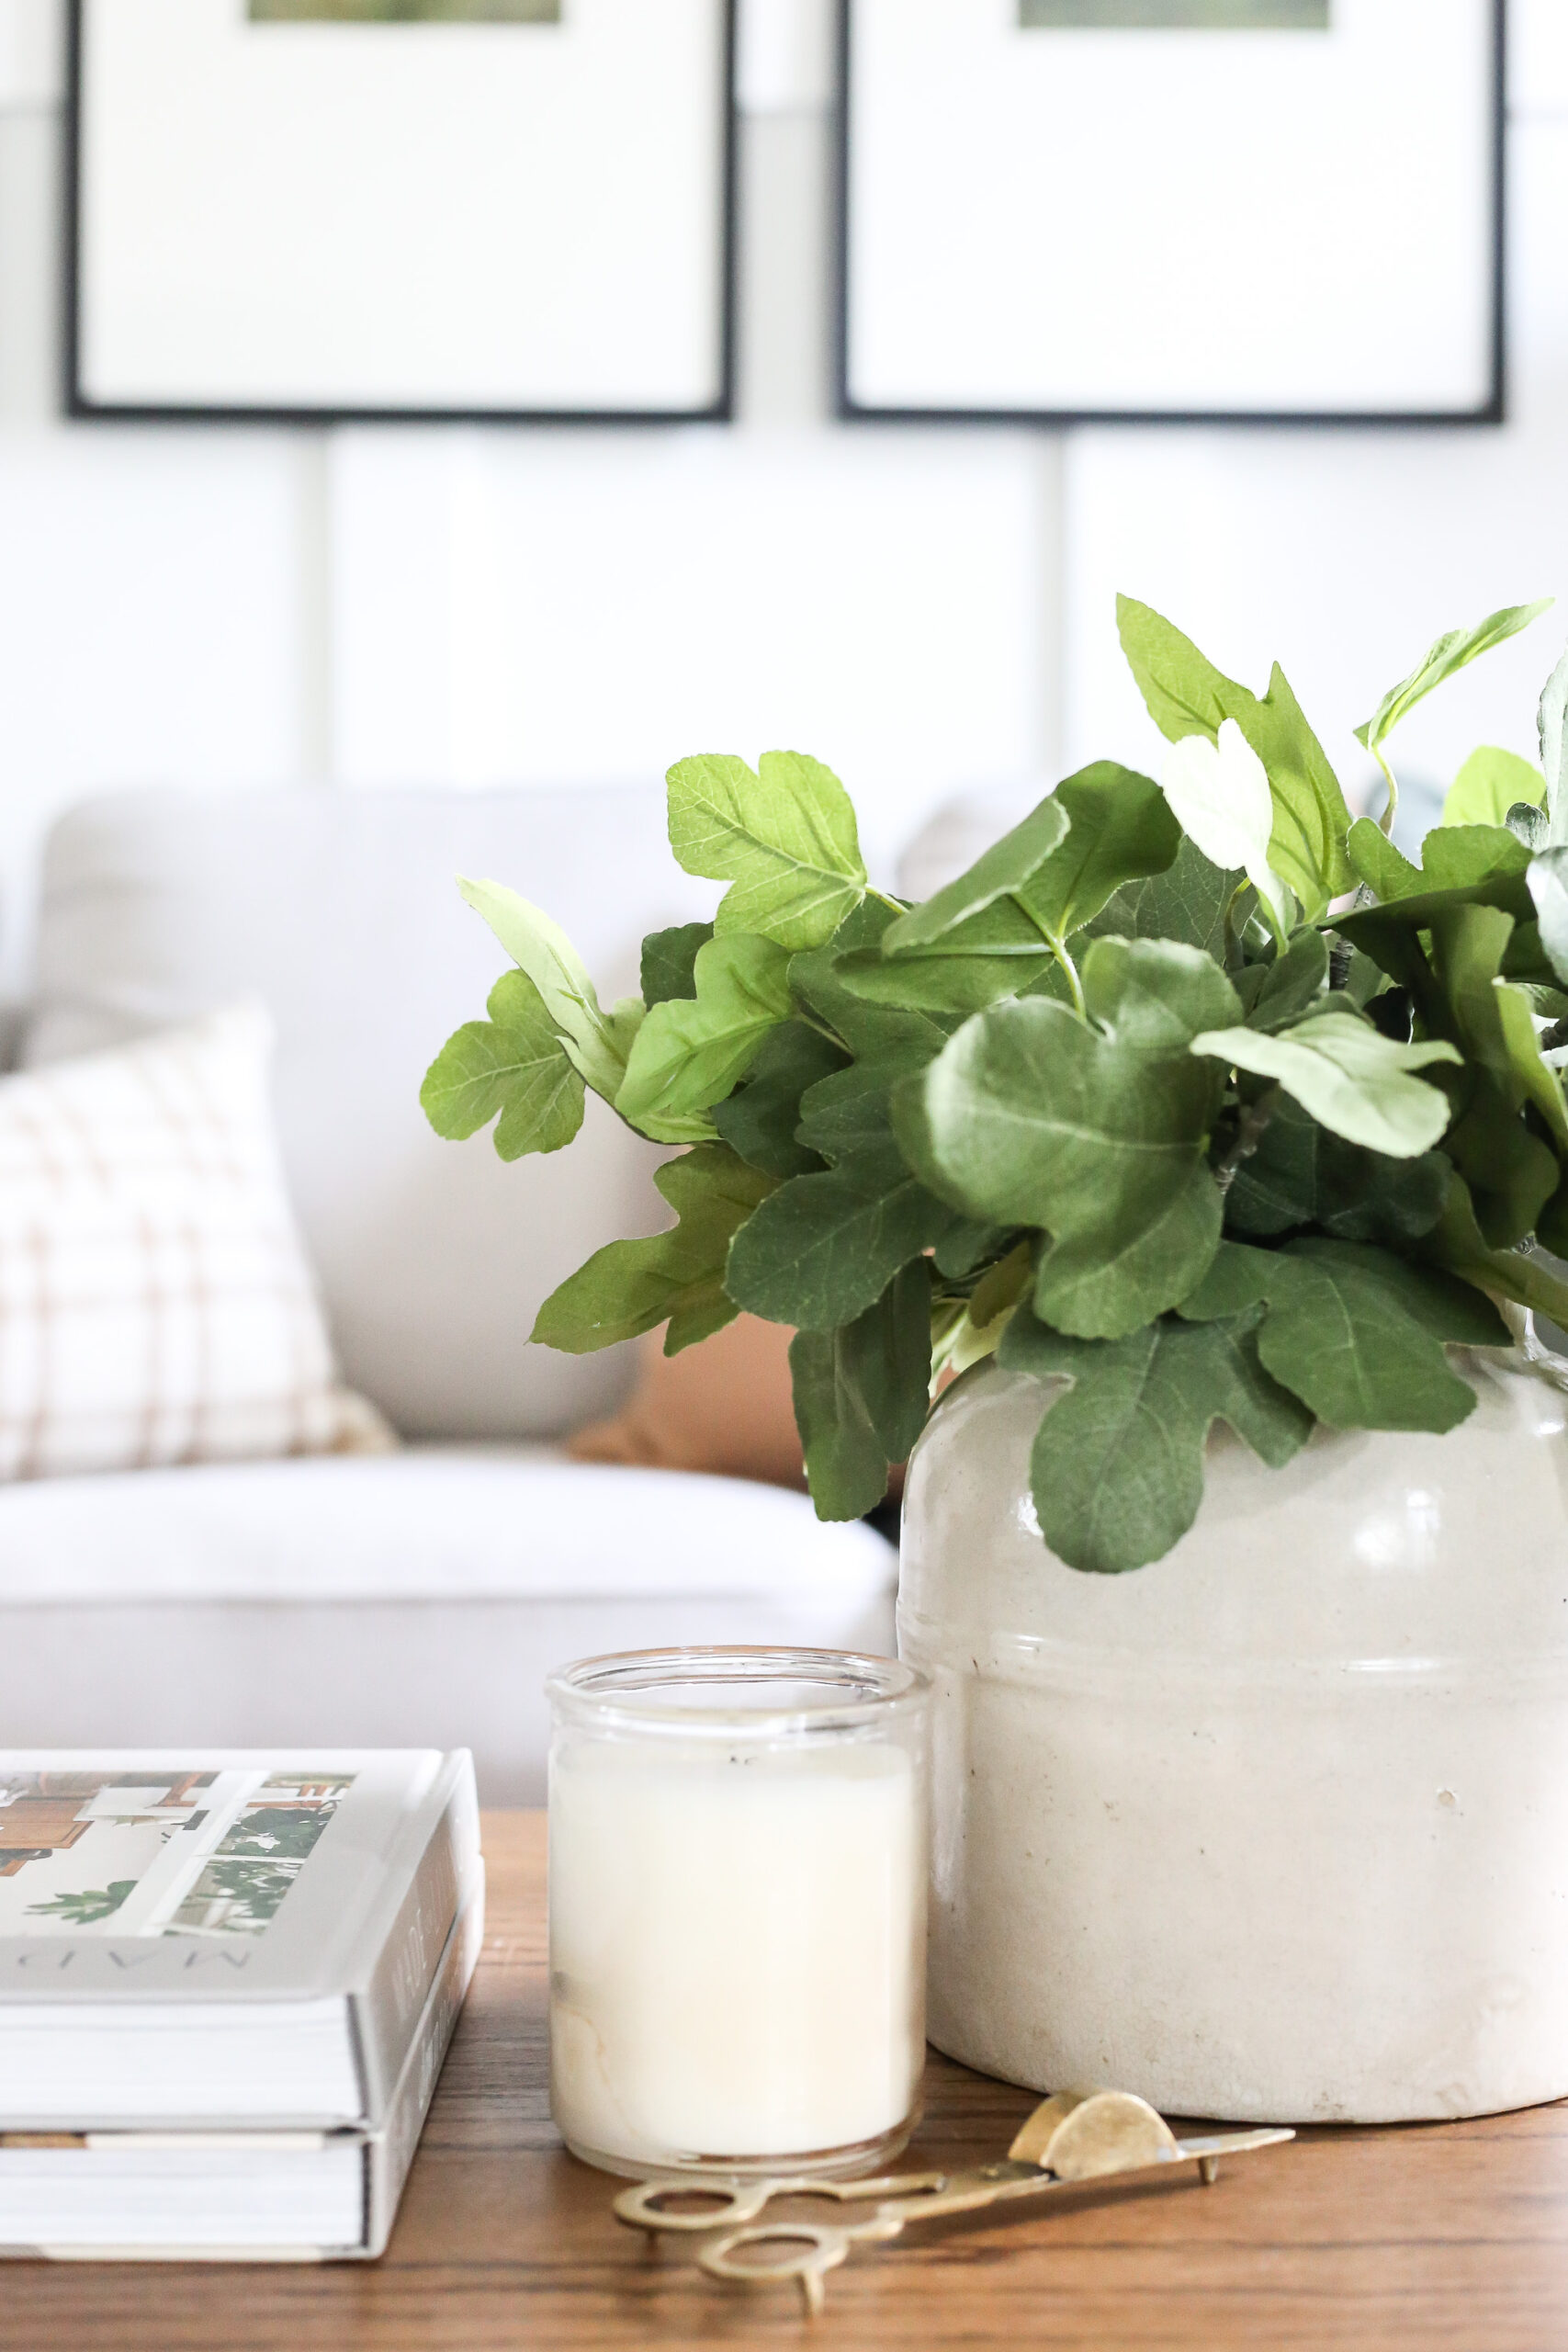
737	1889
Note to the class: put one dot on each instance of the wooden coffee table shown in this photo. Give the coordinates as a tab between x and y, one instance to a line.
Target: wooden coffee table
1453	2237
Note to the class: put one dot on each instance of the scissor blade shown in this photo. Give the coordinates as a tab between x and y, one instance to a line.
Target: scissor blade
1226	2144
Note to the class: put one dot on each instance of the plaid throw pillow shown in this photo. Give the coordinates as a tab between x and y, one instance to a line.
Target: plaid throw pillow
155	1304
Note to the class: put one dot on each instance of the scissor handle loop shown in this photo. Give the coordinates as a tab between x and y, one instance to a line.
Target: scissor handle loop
726	2204
811	2250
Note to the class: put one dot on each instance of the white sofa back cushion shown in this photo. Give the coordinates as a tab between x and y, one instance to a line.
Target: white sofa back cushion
339	909
154	1304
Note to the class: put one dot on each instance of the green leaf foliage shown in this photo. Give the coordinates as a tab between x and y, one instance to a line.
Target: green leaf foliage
1551	727
1117	1467
670	962
1511	1171
1491	782
1298	1174
861	1393
689	1052
542	950
1354	1081
1486	863
1450	653
632	1286
1093	1131
1187	903
1355	1333
761	1118
513	1064
1187	695
1002	871
784	836
1275	994
1548	881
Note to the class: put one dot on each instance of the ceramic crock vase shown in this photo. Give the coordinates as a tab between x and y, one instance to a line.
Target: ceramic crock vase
1276	1829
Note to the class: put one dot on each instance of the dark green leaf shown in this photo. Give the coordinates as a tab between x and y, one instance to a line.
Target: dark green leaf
1440	661
784	836
1355	1333
1523	1275
1275	994
862	1394
1301	1175
1122	831
513	1063
669	958
760	1118
967	1245
1187	904
1095	1133
1117	1468
631	1286
691	1050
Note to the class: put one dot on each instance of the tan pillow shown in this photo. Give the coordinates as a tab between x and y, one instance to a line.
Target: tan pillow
723	1406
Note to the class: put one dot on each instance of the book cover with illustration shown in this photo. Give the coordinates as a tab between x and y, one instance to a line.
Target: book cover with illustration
154	1852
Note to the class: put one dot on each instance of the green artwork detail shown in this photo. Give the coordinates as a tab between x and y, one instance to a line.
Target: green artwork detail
405	12
1170	16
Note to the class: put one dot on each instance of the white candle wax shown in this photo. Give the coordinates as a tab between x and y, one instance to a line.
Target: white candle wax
737	1946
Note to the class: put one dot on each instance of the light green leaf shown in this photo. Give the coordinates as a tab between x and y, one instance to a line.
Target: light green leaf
1355	1333
1548	881
1121	831
669	961
948	980
631	1286
1552	728
861	1394
1117	1467
1094	1131
1187	695
689	1051
998	872
1461	864
515	1063
543	950
1352	1078
1511	1174
1491	782
784	836
1440	661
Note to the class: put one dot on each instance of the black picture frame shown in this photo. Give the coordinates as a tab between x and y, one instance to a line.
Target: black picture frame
1492	411
80	405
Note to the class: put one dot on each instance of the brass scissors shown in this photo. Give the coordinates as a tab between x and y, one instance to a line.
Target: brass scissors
1072	2137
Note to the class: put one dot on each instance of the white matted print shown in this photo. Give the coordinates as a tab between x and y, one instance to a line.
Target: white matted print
375	206
1178	208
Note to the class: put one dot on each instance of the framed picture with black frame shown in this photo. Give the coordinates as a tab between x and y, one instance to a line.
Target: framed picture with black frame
1182	211
476	208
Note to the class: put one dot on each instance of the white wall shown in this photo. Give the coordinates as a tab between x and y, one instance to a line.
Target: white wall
360	607
1344	553
226	605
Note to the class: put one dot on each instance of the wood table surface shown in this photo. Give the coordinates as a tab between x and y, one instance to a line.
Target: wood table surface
1452	2236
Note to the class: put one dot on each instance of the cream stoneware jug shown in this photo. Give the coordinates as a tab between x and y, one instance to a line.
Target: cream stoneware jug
1275	1829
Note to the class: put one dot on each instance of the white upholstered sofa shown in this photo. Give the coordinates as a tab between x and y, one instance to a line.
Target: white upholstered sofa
418	1596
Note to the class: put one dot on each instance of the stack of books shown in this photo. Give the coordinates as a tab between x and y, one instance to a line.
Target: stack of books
227	1986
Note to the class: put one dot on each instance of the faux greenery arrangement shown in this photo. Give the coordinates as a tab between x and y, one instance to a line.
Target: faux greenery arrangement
1197	1093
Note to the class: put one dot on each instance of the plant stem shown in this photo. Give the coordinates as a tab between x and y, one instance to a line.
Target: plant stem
1386	820
881	899
1070	973
1251	1120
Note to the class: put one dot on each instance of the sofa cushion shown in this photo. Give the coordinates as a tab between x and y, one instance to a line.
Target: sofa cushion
155	1303
339	909
418	1599
431	1523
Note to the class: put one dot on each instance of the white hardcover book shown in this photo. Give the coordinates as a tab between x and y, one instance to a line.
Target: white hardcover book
237	2196
224	1941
